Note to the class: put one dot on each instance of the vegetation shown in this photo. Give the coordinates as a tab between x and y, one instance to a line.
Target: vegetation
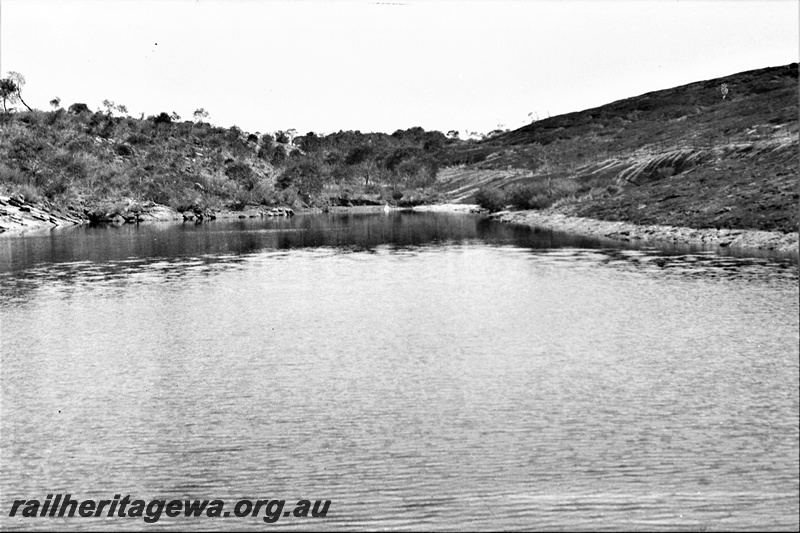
682	156
491	199
80	158
689	155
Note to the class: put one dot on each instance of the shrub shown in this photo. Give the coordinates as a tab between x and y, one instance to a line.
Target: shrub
138	139
243	174
77	109
9	175
56	185
491	199
124	150
306	174
541	194
278	157
28	192
265	152
162	118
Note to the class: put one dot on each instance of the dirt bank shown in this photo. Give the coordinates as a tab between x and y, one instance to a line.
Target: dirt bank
742	240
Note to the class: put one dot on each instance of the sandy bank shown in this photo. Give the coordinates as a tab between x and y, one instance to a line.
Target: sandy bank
743	240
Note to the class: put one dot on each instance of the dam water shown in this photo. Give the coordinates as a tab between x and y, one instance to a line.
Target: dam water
421	371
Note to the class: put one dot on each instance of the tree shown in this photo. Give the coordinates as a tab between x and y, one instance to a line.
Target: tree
359	154
304	173
278	156
8	92
309	142
55	102
78	108
19	82
162	118
199	115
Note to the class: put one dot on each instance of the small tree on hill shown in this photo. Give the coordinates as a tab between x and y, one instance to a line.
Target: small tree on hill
11	89
199	115
8	92
162	118
109	105
55	102
78	108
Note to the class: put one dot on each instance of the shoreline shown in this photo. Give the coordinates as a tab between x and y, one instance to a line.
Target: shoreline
741	240
18	217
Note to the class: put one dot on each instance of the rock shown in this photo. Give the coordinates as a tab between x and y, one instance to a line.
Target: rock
16	201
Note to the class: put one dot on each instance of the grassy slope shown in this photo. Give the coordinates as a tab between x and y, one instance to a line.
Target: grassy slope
681	156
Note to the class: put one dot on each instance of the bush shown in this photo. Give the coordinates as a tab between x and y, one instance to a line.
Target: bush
77	109
530	196
541	194
265	152
162	118
278	157
306	174
28	192
491	199
124	150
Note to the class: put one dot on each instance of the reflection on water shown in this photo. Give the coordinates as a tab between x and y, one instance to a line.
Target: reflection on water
342	231
424	371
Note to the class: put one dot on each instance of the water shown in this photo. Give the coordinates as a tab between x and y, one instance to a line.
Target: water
421	371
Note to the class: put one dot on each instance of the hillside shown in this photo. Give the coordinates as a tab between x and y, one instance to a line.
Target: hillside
94	166
681	156
692	156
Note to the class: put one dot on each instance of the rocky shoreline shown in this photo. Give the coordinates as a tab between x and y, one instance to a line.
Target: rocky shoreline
742	240
18	216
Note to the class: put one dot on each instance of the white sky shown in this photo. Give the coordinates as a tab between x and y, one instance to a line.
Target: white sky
381	66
